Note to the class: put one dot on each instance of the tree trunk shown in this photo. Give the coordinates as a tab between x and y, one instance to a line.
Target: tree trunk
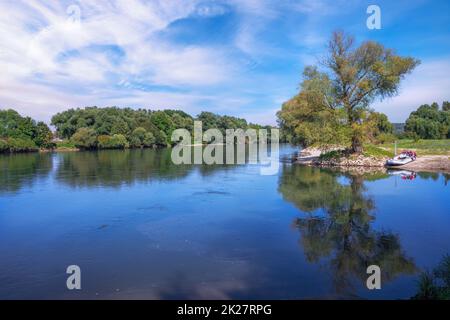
356	144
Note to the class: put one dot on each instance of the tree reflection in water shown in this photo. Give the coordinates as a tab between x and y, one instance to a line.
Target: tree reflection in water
338	225
23	169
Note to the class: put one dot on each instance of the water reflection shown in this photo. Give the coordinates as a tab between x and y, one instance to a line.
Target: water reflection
110	168
19	170
338	226
114	168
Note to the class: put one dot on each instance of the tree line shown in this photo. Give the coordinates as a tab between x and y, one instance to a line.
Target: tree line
21	134
106	128
429	122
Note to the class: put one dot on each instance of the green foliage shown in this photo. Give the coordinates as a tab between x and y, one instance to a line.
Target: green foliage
337	228
85	138
422	147
385	138
140	138
445	106
107	128
428	122
381	129
22	133
21	145
160	138
149	140
44	136
373	151
331	155
116	141
307	119
435	285
3	146
163	122
338	101
65	144
158	125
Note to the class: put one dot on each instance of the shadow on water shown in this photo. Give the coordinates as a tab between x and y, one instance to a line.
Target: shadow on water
337	226
106	168
19	170
113	168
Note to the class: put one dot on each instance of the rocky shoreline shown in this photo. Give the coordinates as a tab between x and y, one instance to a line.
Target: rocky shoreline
432	163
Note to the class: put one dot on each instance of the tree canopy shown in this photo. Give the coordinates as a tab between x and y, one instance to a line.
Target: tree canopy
429	122
112	127
333	105
19	133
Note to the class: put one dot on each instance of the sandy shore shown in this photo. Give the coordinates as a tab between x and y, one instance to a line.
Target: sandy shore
429	163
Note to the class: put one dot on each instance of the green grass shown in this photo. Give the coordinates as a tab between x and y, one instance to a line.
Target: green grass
370	150
330	155
65	144
422	147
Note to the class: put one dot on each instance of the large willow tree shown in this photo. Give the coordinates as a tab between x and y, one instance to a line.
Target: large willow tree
338	98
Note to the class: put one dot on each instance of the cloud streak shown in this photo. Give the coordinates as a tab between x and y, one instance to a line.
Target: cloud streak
224	56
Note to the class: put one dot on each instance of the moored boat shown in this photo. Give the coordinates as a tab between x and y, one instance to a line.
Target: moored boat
404	157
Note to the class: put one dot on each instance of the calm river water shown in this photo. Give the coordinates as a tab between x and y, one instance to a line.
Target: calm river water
141	227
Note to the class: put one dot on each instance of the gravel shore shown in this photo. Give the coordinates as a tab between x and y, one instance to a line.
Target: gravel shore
431	163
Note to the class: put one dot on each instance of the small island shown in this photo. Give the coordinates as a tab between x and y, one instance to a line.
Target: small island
332	119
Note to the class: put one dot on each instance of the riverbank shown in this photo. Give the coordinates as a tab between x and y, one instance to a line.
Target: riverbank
61	149
336	158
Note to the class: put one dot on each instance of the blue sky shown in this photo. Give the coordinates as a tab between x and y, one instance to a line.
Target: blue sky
241	58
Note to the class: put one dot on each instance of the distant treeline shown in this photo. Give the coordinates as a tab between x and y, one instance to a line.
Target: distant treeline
106	128
429	122
22	134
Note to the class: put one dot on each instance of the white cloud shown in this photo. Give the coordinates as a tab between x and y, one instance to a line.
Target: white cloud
430	82
122	53
47	60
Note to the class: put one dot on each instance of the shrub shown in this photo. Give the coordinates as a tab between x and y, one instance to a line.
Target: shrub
85	138
331	155
68	144
117	141
160	138
103	141
21	145
386	138
149	139
44	136
137	137
3	146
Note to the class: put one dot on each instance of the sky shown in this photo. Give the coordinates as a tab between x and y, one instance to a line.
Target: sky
236	57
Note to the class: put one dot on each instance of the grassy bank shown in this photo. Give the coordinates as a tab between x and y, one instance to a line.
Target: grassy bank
422	147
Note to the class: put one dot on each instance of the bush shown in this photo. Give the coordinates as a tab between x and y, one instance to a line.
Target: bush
103	141
149	139
21	145
44	136
386	138
373	151
331	155
65	144
85	138
117	141
160	139
3	146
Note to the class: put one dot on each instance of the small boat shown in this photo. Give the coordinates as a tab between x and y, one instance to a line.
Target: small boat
404	174
404	157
